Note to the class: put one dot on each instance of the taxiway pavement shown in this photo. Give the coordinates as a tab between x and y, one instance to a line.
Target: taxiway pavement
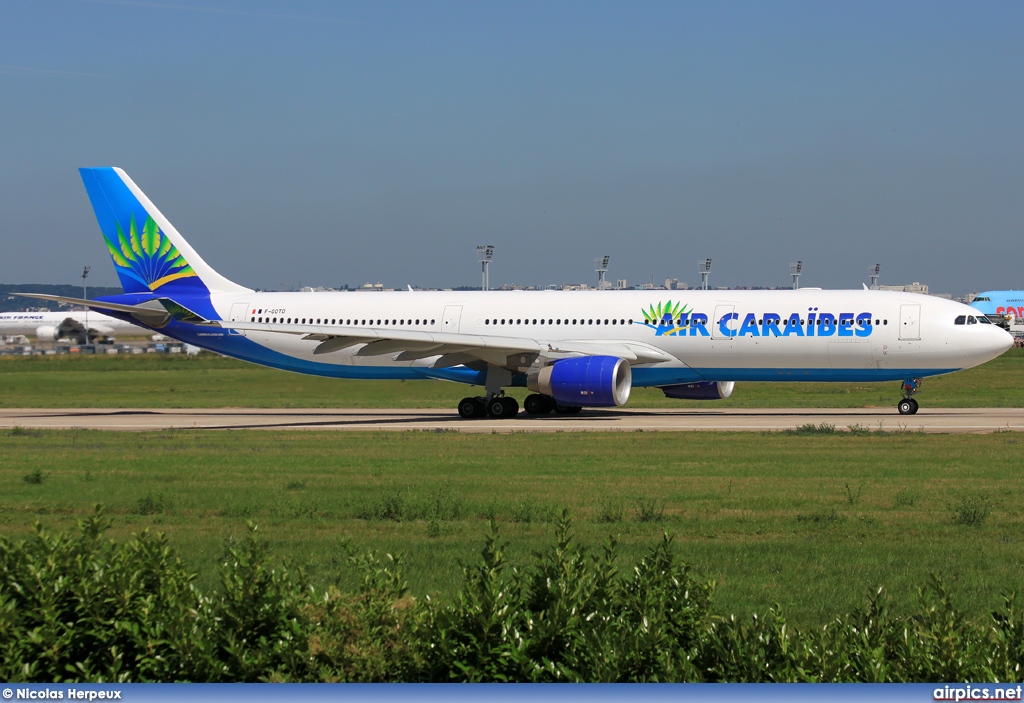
948	420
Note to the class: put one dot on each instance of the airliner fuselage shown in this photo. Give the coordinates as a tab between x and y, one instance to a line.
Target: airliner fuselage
573	349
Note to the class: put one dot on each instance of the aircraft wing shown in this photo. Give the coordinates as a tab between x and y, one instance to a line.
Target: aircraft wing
455	348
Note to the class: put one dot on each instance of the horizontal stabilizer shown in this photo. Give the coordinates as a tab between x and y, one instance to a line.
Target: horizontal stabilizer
91	304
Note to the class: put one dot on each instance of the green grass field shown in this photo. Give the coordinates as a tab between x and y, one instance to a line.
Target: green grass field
812	522
209	381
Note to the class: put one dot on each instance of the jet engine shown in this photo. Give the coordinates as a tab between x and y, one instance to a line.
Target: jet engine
47	333
590	381
705	390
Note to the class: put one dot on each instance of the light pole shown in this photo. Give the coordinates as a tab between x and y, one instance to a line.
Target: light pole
794	271
484	254
85	275
704	269
601	266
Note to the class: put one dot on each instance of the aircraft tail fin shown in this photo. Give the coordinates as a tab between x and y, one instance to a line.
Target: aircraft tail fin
148	253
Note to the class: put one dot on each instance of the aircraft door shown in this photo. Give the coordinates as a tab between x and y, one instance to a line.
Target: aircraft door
238	314
450	320
722	311
910	322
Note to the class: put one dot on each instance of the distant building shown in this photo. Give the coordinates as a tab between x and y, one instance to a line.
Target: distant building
621	284
915	287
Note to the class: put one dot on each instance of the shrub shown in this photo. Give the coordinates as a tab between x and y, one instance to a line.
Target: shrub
34	478
76	607
811	428
648	510
149	504
971	510
906	499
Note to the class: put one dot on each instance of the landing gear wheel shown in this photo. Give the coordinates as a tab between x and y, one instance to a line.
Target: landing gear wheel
471	408
537	404
907	406
567	409
916	406
503	406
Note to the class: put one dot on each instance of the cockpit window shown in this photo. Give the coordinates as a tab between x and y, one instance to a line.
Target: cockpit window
960	320
971	320
984	320
984	299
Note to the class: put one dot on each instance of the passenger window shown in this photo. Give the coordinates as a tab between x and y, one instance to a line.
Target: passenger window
630	321
487	322
519	322
431	322
614	321
971	320
960	320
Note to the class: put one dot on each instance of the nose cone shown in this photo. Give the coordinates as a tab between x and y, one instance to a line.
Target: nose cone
993	343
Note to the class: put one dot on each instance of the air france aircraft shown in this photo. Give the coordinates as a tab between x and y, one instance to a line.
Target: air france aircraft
51	326
573	350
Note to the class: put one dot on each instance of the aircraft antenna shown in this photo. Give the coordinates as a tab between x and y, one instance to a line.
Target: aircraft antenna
85	275
601	266
873	275
794	271
484	254
704	269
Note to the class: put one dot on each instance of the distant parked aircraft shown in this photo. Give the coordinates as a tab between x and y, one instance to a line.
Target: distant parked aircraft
1000	302
51	326
572	349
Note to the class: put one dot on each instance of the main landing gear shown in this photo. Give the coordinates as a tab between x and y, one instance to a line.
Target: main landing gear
908	406
504	406
495	407
538	404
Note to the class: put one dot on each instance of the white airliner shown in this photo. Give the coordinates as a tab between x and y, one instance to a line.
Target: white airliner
573	349
51	326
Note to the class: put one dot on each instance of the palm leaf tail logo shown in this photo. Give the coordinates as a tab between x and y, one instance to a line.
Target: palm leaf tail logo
147	256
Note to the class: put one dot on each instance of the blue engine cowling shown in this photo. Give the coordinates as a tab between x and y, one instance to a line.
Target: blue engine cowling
705	390
591	381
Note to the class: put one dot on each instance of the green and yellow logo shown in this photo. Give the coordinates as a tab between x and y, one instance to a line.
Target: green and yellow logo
666	319
147	256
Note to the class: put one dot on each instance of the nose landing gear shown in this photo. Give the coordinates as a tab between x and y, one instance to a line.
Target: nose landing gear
909	406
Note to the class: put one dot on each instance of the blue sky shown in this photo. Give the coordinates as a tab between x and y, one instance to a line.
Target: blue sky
324	143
